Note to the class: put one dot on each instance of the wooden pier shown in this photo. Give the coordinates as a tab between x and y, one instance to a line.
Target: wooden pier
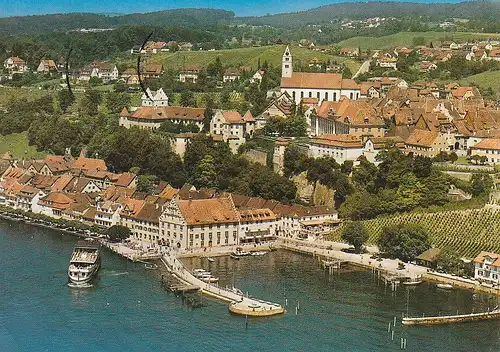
448	319
181	288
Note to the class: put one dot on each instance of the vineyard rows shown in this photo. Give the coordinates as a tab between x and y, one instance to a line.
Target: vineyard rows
466	231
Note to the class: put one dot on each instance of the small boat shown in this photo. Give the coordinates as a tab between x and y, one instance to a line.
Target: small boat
234	257
210	259
199	271
151	266
258	253
444	286
209	279
412	283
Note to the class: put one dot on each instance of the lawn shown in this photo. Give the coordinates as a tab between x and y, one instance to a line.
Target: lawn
406	39
484	80
239	57
17	144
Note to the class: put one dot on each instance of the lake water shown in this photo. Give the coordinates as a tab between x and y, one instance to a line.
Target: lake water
128	310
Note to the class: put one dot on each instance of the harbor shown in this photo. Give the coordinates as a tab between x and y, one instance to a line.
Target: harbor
449	319
129	301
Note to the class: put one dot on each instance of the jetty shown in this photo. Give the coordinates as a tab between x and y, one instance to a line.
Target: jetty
448	319
238	304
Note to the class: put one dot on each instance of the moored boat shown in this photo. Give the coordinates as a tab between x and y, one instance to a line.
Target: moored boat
151	266
210	259
412	282
444	286
84	264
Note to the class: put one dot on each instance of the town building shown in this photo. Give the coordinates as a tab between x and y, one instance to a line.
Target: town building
199	223
487	268
47	67
151	117
429	143
257	77
323	86
15	64
489	148
340	147
231	75
154	98
189	74
233	127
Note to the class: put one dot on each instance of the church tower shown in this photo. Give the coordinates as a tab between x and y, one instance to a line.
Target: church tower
286	65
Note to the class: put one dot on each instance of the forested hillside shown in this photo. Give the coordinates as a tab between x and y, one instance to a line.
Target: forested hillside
476	10
64	22
485	10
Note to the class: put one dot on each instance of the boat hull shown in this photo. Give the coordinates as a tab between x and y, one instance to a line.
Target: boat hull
83	277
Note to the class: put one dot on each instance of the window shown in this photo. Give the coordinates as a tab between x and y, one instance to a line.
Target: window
287	66
301	95
350	95
310	94
326	95
317	95
334	96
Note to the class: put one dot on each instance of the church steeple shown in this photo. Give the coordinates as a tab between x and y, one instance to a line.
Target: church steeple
286	64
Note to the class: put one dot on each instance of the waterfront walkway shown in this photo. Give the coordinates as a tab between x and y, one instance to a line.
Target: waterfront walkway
238	304
333	251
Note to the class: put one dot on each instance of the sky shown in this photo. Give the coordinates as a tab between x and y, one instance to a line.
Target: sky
241	8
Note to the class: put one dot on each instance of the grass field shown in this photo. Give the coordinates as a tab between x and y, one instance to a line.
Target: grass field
466	231
17	144
239	57
406	39
484	80
7	94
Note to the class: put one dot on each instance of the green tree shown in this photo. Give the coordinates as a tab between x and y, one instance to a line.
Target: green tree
209	112
355	234
115	102
187	98
480	184
205	174
453	157
118	233
404	241
65	99
146	183
89	104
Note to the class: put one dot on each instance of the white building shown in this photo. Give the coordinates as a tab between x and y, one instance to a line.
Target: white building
233	127
105	71
257	77
487	268
15	65
154	98
199	223
341	147
323	86
189	74
257	225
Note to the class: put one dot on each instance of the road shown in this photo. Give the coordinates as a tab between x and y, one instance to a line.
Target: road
365	67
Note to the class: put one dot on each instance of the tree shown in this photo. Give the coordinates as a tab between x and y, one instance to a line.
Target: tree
480	184
209	112
355	234
453	157
118	233
89	104
404	241
418	41
205	174
146	183
115	102
65	99
187	98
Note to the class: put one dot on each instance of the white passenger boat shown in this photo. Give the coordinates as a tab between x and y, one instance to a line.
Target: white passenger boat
84	263
210	259
412	283
258	253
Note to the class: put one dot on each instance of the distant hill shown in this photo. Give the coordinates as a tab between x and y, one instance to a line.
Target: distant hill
470	10
65	22
483	10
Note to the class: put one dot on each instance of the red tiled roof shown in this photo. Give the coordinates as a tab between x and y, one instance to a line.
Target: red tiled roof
169	112
208	211
337	140
488	143
90	164
496	258
422	138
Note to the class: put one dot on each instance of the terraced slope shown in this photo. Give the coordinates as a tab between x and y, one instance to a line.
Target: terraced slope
466	231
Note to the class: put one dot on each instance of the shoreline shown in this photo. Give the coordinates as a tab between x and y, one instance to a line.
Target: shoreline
325	249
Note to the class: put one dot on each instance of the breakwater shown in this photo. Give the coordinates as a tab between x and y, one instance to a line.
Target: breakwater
448	319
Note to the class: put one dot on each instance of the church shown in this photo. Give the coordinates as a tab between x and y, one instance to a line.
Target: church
323	86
